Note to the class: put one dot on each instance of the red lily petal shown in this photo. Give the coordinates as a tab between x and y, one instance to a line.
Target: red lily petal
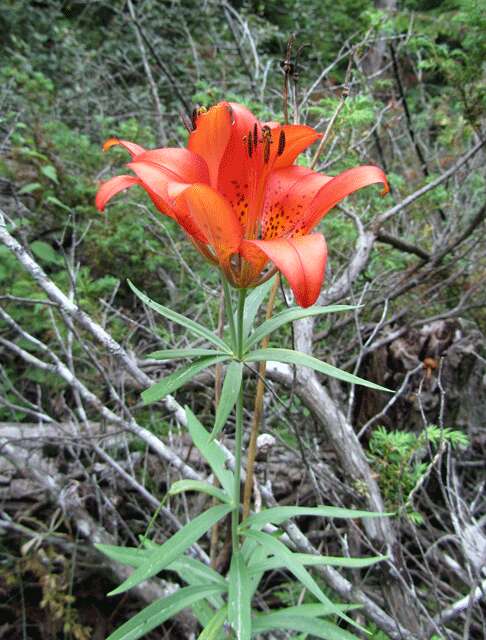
297	138
338	188
111	187
181	164
239	173
133	149
212	215
210	138
302	261
288	194
245	166
255	257
163	191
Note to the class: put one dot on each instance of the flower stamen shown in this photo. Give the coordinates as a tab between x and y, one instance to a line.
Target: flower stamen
250	144
266	141
281	143
255	135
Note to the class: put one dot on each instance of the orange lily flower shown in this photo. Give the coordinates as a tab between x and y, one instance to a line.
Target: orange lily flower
239	197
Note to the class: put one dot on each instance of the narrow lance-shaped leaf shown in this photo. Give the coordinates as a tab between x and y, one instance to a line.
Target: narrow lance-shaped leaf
277	548
304	618
239	597
175	380
310	610
200	486
291	315
277	515
211	452
229	395
131	556
302	359
174	354
174	547
270	564
258	558
212	629
196	572
160	611
253	303
196	328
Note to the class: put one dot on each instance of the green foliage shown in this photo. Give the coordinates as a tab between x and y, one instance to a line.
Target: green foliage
71	76
289	356
397	456
260	552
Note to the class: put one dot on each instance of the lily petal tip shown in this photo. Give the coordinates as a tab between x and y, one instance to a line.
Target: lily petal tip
111	142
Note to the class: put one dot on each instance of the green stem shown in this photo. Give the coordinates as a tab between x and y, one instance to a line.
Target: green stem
229	312
235	516
239	327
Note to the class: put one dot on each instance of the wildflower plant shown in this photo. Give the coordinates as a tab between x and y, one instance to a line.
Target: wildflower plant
251	211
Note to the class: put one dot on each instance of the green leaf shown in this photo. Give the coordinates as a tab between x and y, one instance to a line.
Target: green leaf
131	556
277	548
160	611
257	558
50	172
174	547
239	598
196	572
202	487
174	354
229	395
196	328
253	303
291	315
296	357
57	202
30	188
211	452
175	380
304	618
277	515
212	629
269	564
45	252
